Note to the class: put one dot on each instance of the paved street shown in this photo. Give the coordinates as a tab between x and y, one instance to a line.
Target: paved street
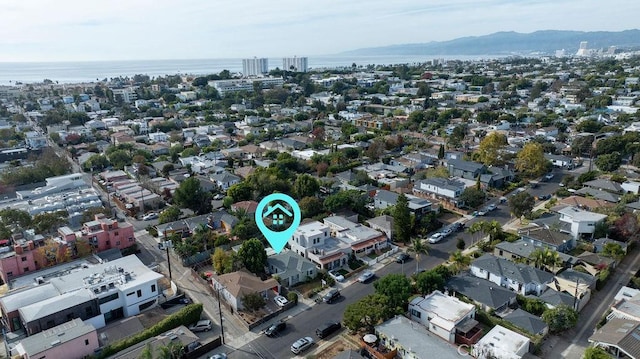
307	316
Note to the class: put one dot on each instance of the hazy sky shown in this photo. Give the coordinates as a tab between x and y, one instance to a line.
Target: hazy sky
68	30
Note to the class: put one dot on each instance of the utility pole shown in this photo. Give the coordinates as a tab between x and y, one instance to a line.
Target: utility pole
167	244
220	312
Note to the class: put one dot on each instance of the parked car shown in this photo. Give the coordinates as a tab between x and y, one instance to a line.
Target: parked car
402	257
301	345
446	231
275	328
201	326
482	212
492	207
192	346
457	226
218	356
150	216
365	276
436	237
326	329
335	275
280	300
332	295
544	197
548	176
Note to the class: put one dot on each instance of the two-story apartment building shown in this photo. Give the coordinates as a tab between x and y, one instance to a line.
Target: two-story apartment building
465	169
97	294
102	233
443	315
361	239
582	223
440	188
546	237
314	241
18	260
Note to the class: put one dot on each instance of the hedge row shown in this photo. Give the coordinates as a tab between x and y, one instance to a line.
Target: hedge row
185	316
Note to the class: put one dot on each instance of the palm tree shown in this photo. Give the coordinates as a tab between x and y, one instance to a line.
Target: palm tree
552	260
493	229
171	351
538	257
459	260
146	353
418	247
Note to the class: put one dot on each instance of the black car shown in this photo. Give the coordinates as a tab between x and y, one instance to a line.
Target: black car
544	197
331	296
275	328
402	257
457	226
327	328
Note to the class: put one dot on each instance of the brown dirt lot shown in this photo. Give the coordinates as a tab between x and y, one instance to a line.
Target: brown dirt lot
335	348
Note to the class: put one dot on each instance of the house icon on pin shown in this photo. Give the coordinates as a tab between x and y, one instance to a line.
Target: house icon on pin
277	213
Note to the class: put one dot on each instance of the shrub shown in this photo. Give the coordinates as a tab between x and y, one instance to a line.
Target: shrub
185	316
293	297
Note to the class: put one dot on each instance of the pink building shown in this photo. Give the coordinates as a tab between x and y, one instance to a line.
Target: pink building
73	339
104	233
16	262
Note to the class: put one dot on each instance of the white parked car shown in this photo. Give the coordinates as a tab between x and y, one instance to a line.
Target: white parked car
280	300
365	276
436	237
335	275
301	345
492	207
150	216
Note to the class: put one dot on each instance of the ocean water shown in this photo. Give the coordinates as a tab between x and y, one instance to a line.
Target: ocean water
75	72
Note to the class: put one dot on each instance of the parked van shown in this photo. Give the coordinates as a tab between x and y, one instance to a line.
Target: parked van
328	328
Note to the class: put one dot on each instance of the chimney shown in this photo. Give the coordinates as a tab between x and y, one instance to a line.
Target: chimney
17	248
31	245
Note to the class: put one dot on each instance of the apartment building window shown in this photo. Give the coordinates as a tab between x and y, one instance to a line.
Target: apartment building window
88	311
25	269
24	259
130	239
139	293
117	243
9	274
116	233
108	298
86	342
108	243
132	293
153	288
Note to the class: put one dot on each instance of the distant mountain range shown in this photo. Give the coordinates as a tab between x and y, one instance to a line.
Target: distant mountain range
506	43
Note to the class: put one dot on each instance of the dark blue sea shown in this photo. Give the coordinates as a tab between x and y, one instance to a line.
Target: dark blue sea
76	72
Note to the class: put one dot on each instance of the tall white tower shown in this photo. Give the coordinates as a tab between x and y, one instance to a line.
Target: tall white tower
295	64
583	50
255	67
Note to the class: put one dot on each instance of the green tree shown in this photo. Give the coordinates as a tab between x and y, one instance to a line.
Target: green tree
190	195
441	152
521	204
305	186
15	217
530	161
402	219
613	250
240	192
490	149
609	162
253	255
596	353
560	318
472	197
459	261
310	206
170	214
173	350
367	312
418	247
253	301
427	282
222	261
49	222
397	288
120	158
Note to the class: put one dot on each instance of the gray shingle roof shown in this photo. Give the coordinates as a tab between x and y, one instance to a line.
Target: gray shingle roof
481	290
444	183
518	272
605	185
524	249
288	263
603	195
546	235
526	321
556	298
574	276
465	165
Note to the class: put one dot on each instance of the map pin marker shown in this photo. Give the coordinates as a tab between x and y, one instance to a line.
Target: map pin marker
281	212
